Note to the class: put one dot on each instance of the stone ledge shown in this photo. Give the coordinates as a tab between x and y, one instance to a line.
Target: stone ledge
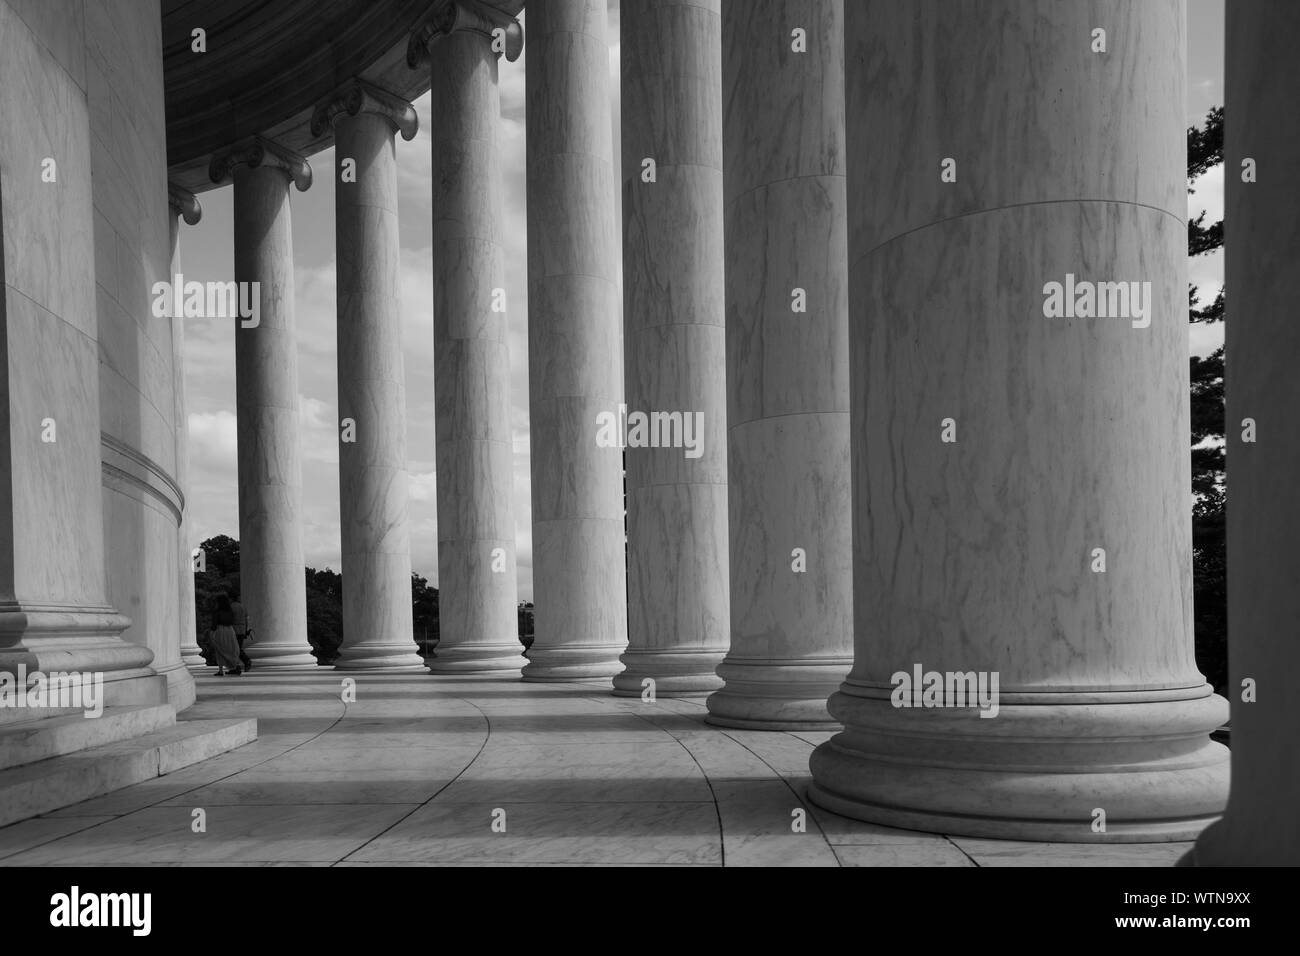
54	736
47	785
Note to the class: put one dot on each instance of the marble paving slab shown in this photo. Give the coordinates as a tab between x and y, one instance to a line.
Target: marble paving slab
412	773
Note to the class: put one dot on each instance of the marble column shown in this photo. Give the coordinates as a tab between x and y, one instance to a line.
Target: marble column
675	352
1261	246
55	613
575	347
182	204
787	365
477	590
373	484
272	576
1020	470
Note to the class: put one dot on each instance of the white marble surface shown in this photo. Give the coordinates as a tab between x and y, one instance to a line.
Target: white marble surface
403	777
54	571
787	372
975	555
575	346
1261	825
272	586
137	374
189	650
1017	853
671	111
1069	437
477	566
1057	120
373	482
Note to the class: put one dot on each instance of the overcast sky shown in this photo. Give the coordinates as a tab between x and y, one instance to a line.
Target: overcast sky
207	254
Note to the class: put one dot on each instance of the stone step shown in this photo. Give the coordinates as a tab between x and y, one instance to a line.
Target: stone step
32	740
58	782
27	715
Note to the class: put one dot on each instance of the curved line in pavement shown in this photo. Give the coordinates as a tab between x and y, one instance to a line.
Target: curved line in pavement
437	793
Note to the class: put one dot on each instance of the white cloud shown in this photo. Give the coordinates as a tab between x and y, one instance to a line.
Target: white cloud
213	437
210	502
1208	197
423	486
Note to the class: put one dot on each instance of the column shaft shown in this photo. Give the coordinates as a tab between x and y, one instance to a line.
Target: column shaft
191	654
675	347
272	576
1261	246
54	607
1020	472
574	347
787	370
377	630
477	593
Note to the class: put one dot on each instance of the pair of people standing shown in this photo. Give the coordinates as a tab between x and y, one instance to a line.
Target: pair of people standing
229	632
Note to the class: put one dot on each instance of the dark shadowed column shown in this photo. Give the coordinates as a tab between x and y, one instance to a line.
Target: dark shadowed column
1261	243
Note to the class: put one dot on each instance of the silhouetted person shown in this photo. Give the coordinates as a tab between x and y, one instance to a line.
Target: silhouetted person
242	632
225	648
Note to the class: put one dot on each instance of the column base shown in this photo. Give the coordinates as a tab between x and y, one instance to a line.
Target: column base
770	694
676	673
1038	770
181	692
502	660
192	654
69	638
280	656
572	662
400	656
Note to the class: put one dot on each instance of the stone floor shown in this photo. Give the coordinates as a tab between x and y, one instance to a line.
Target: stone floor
418	769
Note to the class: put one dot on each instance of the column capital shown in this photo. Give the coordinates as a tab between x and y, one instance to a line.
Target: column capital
256	151
184	203
358	96
474	16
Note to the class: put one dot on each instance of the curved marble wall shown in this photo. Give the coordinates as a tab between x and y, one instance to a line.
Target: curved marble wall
89	518
128	167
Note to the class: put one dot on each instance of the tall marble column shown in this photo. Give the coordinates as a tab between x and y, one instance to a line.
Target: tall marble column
1019	453
182	204
373	484
787	365
1261	246
674	346
575	347
477	591
55	613
272	576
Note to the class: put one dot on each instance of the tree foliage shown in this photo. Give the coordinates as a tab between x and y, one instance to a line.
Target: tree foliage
424	608
1209	463
526	624
324	614
324	603
221	558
